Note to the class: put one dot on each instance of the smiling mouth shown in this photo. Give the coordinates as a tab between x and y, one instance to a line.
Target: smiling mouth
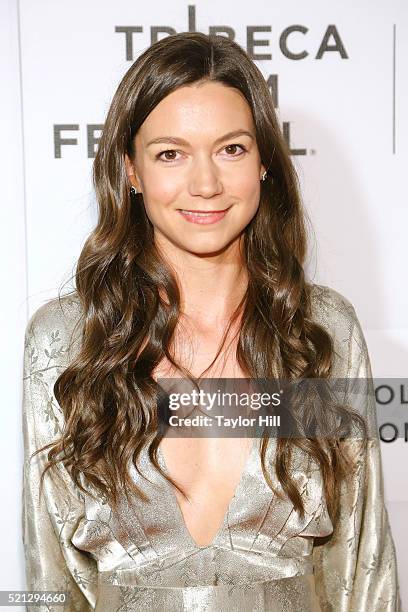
203	217
203	212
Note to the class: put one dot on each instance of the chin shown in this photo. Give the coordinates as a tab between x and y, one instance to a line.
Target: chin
208	248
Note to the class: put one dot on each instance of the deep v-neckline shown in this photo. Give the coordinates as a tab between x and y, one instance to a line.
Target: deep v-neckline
180	516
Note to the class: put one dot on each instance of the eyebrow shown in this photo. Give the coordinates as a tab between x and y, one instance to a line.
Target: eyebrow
181	141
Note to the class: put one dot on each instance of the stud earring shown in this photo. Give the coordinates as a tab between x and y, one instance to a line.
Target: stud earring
133	190
263	176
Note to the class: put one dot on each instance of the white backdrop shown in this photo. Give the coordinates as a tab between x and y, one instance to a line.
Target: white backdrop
343	106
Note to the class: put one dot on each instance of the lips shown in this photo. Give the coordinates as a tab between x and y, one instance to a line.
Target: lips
203	217
203	212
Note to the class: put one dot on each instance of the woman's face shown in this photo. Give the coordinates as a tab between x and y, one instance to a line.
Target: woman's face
197	151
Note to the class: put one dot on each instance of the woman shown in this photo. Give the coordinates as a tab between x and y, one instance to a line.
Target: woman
195	268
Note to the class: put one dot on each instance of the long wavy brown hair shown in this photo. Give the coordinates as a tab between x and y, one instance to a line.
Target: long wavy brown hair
131	301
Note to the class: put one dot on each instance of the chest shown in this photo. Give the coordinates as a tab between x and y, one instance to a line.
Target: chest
209	469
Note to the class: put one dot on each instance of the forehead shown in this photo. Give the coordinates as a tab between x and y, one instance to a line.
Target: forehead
198	111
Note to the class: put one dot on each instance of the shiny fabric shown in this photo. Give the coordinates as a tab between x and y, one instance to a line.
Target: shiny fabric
264	556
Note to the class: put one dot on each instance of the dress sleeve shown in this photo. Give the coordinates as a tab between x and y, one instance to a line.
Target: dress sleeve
356	569
48	521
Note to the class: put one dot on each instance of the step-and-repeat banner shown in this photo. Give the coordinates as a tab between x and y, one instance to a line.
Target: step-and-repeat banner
337	74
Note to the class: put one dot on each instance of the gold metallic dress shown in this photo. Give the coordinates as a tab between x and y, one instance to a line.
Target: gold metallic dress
264	556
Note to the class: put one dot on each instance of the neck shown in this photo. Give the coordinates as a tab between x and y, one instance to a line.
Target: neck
211	286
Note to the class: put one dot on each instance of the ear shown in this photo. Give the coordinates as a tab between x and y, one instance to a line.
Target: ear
262	171
131	173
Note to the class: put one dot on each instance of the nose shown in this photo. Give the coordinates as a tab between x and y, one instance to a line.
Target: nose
204	179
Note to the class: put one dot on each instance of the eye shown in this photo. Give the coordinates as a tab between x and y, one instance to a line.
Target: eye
159	155
234	146
174	151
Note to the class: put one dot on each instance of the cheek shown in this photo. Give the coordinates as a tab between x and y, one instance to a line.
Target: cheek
161	192
248	192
